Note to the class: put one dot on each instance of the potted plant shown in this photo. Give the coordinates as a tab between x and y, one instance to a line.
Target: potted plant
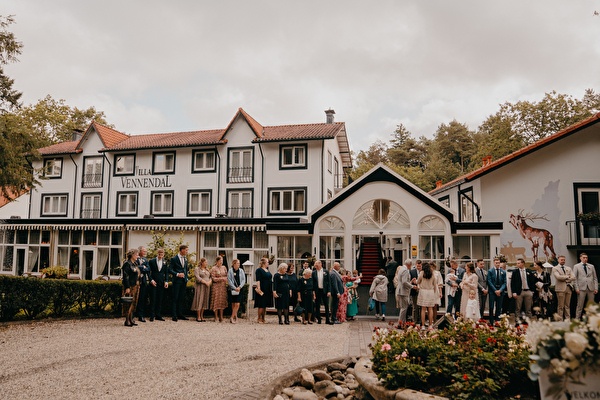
592	218
565	356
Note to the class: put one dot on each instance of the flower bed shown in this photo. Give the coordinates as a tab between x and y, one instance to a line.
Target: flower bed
464	361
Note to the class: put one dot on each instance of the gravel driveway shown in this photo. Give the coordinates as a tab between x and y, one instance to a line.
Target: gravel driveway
100	358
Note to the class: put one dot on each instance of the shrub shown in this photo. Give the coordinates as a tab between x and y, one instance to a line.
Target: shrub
56	272
464	361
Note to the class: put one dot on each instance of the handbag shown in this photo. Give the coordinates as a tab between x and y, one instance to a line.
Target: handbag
299	310
127	299
371	304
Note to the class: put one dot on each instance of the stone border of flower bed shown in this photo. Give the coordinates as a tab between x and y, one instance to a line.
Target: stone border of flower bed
363	373
369	381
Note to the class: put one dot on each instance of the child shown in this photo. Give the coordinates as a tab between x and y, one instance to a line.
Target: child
451	279
473	307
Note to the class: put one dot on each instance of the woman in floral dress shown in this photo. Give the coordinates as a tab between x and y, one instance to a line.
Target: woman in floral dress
343	304
218	294
351	283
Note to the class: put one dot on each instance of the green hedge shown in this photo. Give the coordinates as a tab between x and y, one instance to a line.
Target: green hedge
34	298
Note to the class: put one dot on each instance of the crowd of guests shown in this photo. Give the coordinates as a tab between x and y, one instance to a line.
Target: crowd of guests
523	292
215	288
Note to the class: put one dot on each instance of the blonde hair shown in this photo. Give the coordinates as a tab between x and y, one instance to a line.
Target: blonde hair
307	271
131	253
282	267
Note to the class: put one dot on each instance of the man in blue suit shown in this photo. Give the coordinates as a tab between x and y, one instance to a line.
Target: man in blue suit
337	290
496	280
178	268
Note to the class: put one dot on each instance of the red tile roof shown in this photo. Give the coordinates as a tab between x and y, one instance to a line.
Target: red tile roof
491	166
300	132
175	139
109	136
60	148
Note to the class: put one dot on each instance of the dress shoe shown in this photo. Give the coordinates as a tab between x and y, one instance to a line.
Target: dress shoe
183	318
287	322
151	319
174	319
126	323
160	319
330	323
337	322
142	319
319	321
133	324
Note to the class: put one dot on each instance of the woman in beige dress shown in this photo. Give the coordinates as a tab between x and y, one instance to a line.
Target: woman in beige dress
218	293
428	294
470	282
201	289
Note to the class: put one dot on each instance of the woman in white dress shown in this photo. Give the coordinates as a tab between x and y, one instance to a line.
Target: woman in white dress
428	293
469	282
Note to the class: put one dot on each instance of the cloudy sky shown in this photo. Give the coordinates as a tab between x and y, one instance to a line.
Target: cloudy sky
165	66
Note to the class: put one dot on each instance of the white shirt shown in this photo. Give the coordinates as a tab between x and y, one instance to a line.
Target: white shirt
159	262
320	278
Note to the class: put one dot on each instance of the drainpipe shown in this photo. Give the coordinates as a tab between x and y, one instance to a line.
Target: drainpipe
74	185
478	212
262	179
108	185
218	161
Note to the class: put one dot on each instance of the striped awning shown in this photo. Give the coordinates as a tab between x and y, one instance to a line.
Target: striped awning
196	227
70	227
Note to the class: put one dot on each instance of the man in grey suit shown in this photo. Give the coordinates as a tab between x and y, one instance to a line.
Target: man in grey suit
482	287
337	290
403	288
564	287
586	283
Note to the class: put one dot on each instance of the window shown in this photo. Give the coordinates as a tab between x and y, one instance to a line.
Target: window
293	156
90	205
329	161
163	163
7	239
54	205
239	204
199	202
107	258
287	201
53	168
162	203
466	205
445	201
127	203
588	199
204	161
124	164
240	166
92	173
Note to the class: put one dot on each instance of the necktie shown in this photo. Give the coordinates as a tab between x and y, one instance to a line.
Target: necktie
524	279
563	268
497	276
585	268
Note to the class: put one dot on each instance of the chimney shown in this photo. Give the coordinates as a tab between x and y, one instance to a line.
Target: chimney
487	160
76	134
329	113
438	184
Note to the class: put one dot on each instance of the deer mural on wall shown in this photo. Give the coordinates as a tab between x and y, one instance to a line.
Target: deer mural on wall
536	236
512	253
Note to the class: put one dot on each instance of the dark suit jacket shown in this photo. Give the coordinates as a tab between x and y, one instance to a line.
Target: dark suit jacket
516	284
491	281
414	273
130	274
142	263
160	277
337	286
175	268
326	281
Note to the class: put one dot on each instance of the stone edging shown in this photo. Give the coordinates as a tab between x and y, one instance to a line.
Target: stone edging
368	380
275	387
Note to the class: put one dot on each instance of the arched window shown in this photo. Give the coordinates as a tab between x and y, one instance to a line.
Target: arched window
381	214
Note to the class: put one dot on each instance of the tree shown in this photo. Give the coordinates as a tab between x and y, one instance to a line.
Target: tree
405	150
454	145
10	48
16	174
53	121
495	138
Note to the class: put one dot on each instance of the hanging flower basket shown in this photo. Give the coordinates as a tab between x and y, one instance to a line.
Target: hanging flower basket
589	218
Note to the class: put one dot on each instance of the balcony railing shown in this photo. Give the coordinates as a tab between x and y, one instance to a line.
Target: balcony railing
583	233
90	213
239	212
92	180
240	175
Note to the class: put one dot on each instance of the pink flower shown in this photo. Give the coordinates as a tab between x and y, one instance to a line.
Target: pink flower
386	347
404	354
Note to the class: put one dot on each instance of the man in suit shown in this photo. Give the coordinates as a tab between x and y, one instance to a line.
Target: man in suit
482	288
522	284
586	283
178	268
159	282
142	263
390	272
496	283
563	275
337	290
414	292
460	274
403	288
322	288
